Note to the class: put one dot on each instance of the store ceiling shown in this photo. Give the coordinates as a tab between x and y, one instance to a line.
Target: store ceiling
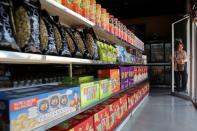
124	9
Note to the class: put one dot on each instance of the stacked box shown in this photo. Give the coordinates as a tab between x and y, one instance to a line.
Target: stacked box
81	122
29	108
89	93
114	107
124	77
113	75
101	117
131	76
105	88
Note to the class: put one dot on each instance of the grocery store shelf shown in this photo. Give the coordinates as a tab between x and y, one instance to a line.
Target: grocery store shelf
66	117
15	88
124	122
66	15
73	19
10	57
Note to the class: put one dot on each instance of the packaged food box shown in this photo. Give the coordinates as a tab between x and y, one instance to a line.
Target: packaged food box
101	117
131	76
135	74
105	88
131	101
114	107
29	108
76	80
124	77
123	105
89	93
113	75
81	122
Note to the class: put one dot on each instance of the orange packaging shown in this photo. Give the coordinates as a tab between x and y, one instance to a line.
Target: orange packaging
103	18
107	21
114	75
68	3
93	10
98	14
77	6
84	8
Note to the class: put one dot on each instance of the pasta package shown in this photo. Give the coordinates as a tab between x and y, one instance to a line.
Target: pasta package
48	34
72	43
27	24
61	41
7	33
91	43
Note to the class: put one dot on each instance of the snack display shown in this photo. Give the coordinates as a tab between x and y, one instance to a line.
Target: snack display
7	33
89	93
113	75
114	107
29	108
124	77
27	21
105	88
101	117
81	122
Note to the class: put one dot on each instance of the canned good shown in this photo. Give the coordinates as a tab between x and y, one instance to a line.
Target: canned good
84	8
76	6
111	24
68	3
98	14
93	11
103	18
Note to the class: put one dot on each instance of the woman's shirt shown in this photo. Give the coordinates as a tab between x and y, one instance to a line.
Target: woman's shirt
179	55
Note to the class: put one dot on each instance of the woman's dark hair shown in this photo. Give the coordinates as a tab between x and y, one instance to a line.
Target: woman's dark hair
177	45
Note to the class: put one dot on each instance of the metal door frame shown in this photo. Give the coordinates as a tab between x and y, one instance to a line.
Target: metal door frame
188	51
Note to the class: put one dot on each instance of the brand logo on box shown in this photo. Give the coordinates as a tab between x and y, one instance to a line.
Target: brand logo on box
23	104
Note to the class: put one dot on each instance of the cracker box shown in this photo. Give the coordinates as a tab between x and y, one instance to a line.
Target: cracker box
124	77
112	74
89	93
131	76
101	117
81	122
123	105
105	88
114	107
29	108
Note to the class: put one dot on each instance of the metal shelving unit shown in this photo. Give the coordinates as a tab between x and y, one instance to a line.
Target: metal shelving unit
66	117
73	19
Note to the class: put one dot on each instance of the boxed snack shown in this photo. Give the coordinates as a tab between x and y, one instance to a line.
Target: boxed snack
130	98
123	105
114	75
101	117
131	76
124	77
76	80
89	93
81	122
29	108
105	88
114	107
135	74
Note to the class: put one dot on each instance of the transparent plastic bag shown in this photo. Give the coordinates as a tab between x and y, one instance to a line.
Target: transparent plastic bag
7	33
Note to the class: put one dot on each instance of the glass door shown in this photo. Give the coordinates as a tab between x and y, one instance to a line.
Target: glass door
181	31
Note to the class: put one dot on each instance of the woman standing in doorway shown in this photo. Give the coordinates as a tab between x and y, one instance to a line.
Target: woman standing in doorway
180	67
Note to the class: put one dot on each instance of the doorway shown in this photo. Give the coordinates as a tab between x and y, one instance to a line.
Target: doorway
181	31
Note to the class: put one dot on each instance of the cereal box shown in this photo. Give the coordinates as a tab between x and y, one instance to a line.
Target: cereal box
81	122
124	77
105	88
89	93
131	76
101	117
114	107
29	108
114	75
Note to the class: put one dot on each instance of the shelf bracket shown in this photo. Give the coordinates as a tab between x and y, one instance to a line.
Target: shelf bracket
70	70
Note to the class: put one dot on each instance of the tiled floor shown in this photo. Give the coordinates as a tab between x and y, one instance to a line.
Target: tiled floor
163	113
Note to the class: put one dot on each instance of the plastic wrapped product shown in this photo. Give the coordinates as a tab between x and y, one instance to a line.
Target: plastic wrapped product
7	34
72	43
48	33
27	20
91	41
61	41
80	43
